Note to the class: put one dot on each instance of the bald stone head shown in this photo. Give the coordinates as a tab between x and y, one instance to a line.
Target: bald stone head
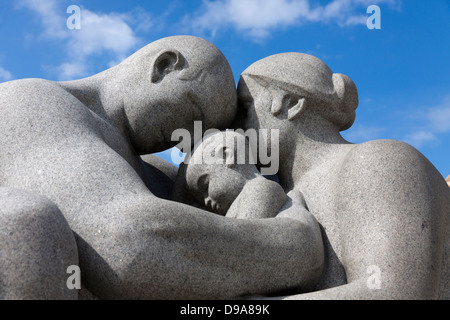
171	83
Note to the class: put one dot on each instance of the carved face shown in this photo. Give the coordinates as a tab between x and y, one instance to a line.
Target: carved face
215	174
174	82
255	104
214	185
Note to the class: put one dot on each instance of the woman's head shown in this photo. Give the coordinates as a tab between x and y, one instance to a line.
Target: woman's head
286	85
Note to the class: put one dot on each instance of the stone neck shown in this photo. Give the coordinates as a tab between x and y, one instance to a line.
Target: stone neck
314	145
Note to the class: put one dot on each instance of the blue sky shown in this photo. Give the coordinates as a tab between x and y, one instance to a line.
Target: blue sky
402	70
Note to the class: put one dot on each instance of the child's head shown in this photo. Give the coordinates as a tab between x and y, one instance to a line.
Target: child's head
218	169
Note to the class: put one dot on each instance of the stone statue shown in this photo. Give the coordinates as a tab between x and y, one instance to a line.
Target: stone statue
382	206
227	184
230	185
78	187
233	187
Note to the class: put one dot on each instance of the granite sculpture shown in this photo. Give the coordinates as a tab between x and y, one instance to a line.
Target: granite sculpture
230	185
383	207
233	187
80	186
81	150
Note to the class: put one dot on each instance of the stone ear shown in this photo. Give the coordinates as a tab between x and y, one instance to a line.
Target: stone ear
166	62
296	111
282	101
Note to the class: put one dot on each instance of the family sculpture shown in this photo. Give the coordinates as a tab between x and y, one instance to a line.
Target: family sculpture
80	186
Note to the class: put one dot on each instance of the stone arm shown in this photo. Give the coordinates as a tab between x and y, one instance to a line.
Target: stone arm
182	252
37	247
393	209
260	198
139	246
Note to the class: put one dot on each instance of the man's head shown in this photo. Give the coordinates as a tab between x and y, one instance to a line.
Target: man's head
218	169
171	83
279	91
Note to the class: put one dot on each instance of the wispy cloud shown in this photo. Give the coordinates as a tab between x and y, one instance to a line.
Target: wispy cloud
109	34
362	133
435	121
421	128
75	69
258	18
5	75
421	138
439	116
48	11
99	34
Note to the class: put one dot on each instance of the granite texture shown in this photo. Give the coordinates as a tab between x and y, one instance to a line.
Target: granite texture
83	144
79	186
37	247
221	176
382	206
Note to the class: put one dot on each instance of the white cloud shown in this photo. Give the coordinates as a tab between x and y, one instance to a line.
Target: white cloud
420	138
362	133
71	70
439	117
257	18
435	121
48	12
144	21
5	75
101	33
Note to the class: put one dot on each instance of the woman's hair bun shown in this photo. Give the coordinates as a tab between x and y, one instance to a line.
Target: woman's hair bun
347	95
